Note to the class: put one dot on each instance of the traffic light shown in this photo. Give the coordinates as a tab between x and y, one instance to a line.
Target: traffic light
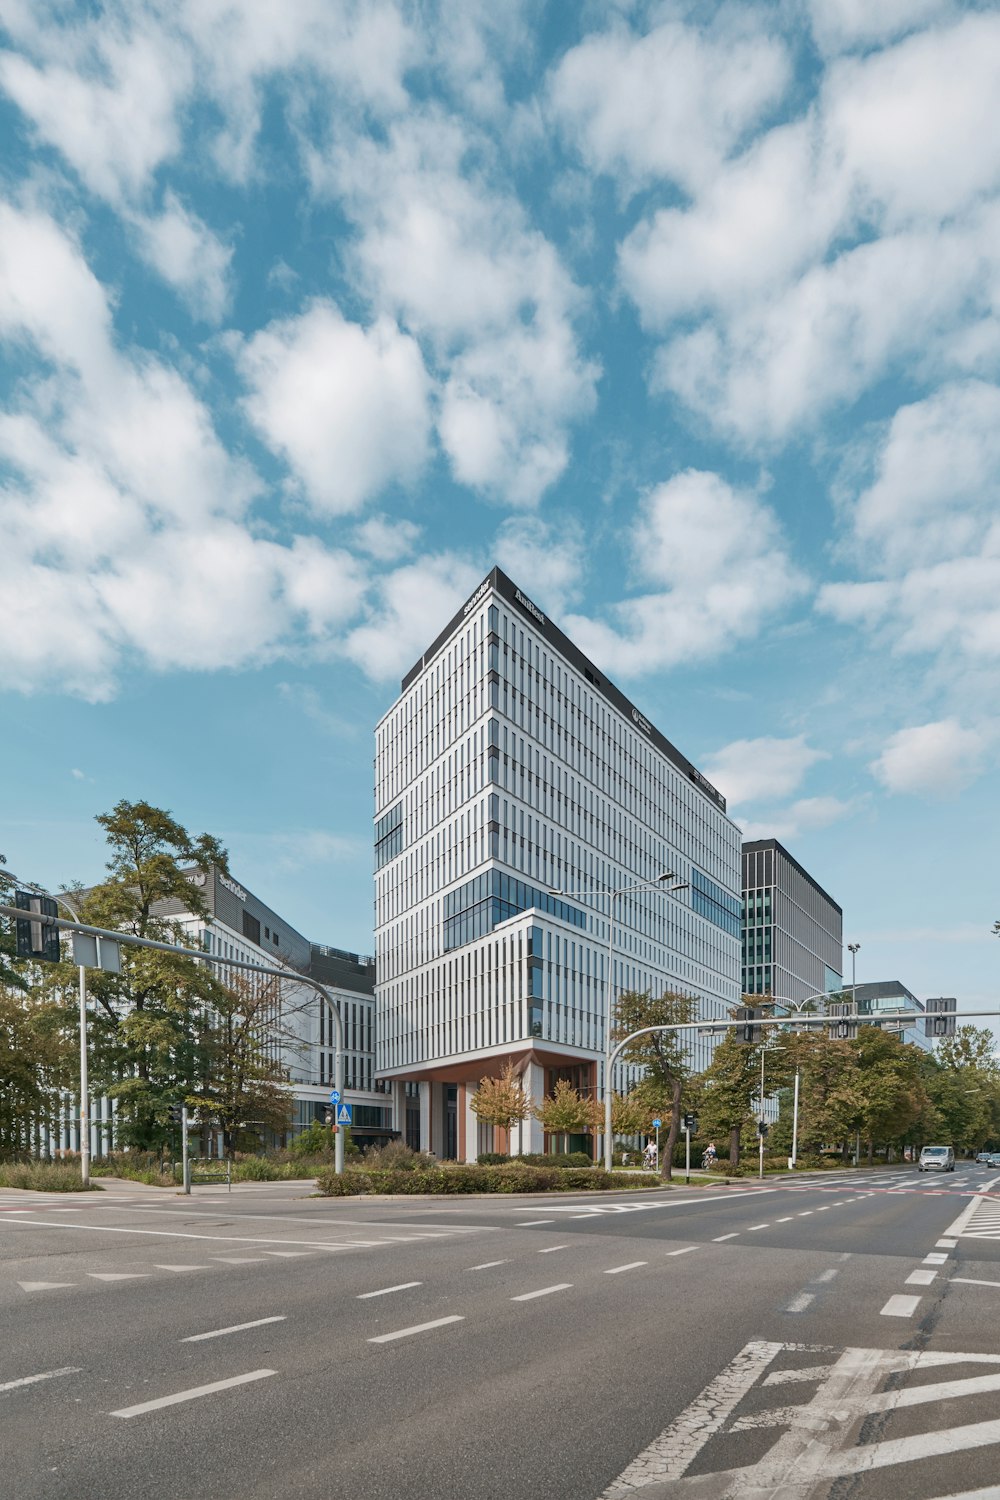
176	1114
941	1019
690	1123
36	938
846	1028
762	1129
748	1033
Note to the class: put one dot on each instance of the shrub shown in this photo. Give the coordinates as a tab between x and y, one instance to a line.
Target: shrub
492	1158
556	1159
44	1177
394	1156
460	1177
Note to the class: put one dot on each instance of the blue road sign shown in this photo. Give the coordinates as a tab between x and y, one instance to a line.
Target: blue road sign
334	1096
657	1124
344	1115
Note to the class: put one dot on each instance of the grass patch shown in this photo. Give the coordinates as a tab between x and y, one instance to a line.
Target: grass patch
514	1177
44	1177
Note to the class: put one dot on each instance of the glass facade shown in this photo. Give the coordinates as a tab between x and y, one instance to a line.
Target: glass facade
711	901
479	905
389	836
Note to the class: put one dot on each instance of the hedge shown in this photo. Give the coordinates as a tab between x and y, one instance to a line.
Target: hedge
512	1177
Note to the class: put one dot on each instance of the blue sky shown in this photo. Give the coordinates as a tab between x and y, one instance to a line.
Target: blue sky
688	316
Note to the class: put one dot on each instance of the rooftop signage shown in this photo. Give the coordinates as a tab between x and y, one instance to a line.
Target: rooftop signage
231	885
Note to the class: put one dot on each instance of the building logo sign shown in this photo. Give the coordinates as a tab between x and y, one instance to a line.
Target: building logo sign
231	885
531	608
643	723
483	588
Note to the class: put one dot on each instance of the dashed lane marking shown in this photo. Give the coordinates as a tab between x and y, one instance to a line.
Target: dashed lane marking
800	1303
687	1249
545	1291
180	1269
193	1394
118	1275
405	1333
754	1227
633	1265
12	1385
384	1291
920	1278
44	1286
488	1265
946	1244
219	1333
549	1249
530	1223
934	1259
720	1237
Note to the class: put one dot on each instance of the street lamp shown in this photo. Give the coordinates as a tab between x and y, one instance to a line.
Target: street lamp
799	1007
615	895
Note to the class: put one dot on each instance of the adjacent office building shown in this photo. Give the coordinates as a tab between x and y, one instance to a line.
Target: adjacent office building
883	998
514	787
792	930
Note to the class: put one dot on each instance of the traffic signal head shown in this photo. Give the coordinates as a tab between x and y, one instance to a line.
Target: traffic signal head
748	1033
762	1129
37	938
176	1114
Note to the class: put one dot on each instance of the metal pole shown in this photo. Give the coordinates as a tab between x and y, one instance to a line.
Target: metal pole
185	1167
84	1084
760	1134
795	1119
657	1148
608	1042
687	1154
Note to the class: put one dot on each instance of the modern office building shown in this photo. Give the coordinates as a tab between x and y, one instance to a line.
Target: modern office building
792	930
242	927
514	788
882	998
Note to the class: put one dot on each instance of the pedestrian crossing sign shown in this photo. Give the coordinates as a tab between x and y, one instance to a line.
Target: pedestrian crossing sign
344	1114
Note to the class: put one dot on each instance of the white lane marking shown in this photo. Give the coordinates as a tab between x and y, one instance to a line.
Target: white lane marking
686	1251
824	1208
118	1275
734	1195
193	1394
289	1254
805	1213
549	1249
786	1220
920	1278
11	1385
785	1377
946	1244
935	1260
44	1286
529	1223
385	1290
669	1455
219	1239
240	1260
488	1265
404	1333
974	1281
754	1227
633	1265
587	1216
720	1237
545	1291
801	1302
900	1307
218	1333
827	1275
178	1269
67	1210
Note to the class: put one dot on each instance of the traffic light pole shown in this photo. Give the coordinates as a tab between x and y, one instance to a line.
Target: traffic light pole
201	956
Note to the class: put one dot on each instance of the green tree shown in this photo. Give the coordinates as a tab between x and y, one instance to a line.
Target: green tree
564	1112
149	1030
245	1085
502	1101
728	1090
663	1055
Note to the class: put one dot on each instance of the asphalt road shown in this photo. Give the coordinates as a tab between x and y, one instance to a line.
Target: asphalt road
834	1336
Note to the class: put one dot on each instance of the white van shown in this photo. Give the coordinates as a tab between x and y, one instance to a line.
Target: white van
937	1159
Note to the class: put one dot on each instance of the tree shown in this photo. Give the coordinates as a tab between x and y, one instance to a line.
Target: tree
502	1101
729	1087
244	1089
149	1030
564	1112
662	1055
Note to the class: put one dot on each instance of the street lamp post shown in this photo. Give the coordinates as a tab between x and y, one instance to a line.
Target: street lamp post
615	895
799	1006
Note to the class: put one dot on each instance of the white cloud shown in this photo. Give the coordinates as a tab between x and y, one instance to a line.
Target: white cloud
77	775
348	407
928	528
762	770
718	563
859	234
937	760
127	526
803	816
386	538
189	256
546	558
839	25
409	608
450	255
672	103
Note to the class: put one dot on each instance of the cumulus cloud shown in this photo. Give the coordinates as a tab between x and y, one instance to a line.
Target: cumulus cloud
718	568
937	759
861	233
386	538
128	526
840	25
189	256
671	103
544	557
767	769
346	406
407	609
804	816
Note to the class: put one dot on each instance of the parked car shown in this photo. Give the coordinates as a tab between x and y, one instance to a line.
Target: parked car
984	1157
937	1159
995	1158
